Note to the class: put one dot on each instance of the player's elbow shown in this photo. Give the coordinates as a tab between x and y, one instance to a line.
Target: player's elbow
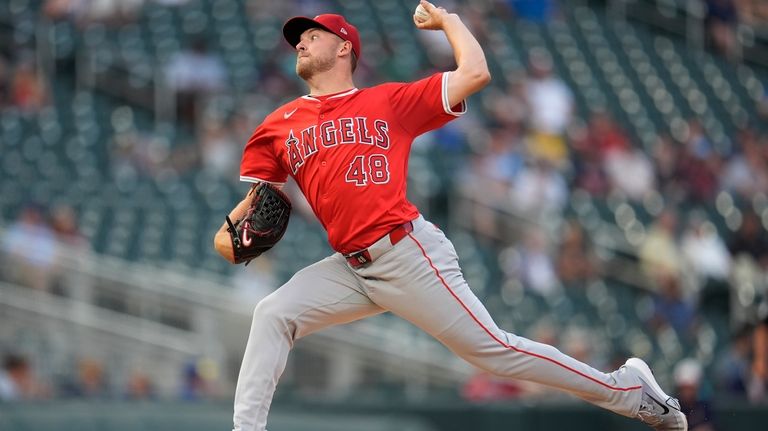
483	79
481	76
475	78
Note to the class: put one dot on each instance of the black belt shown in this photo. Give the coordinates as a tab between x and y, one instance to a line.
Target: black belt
362	257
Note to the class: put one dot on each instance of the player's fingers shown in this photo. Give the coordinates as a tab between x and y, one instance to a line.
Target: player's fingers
427	5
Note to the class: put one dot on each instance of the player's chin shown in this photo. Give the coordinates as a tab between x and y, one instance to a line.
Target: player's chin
304	71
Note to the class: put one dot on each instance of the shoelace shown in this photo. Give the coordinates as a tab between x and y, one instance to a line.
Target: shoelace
648	412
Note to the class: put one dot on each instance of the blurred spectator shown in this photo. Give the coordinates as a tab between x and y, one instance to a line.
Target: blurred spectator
28	89
758	386
64	9
534	10
273	82
86	11
579	343
219	151
721	21
89	381
762	103
753	12
5	79
16	381
750	239
746	173
631	172
531	263
474	15
551	107
698	144
502	162
144	155
699	166
588	171
65	228
31	248
140	387
170	2
732	371
605	136
509	108
666	161
492	174
671	309
627	169
660	254
198	380
704	250
193	74
576	262
539	189
484	387
700	177
688	374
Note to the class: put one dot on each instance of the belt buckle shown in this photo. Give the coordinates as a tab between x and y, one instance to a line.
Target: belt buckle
359	258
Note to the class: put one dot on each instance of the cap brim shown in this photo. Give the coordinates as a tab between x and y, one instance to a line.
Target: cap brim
294	27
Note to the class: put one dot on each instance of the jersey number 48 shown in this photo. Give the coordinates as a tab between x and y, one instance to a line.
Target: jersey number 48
376	170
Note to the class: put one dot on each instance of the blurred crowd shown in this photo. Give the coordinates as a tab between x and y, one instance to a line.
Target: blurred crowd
523	147
21	380
21	85
730	23
33	245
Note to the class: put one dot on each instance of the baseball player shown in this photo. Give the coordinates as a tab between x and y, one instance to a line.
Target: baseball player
347	149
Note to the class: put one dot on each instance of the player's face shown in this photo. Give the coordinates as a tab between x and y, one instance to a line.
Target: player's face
316	52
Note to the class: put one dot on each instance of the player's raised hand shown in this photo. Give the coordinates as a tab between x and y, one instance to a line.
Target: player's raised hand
428	16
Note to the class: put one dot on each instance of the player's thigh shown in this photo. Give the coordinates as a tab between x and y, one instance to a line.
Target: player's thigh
323	294
423	283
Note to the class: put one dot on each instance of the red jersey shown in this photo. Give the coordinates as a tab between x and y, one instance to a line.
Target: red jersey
348	153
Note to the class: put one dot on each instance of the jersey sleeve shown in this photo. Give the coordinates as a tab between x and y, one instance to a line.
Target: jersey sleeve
422	105
260	162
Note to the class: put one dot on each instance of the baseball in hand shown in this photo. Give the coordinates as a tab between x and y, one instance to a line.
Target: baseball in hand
421	14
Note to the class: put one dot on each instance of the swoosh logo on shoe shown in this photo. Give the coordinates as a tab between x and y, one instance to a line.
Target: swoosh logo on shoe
675	404
663	406
287	115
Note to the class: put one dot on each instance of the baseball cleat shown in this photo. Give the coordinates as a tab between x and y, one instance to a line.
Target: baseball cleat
657	409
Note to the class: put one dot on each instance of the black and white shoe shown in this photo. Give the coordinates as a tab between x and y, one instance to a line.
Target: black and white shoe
657	409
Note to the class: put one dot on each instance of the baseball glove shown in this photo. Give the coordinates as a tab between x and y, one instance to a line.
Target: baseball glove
264	223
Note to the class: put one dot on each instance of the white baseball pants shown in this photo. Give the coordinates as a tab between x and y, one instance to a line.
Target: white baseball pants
418	279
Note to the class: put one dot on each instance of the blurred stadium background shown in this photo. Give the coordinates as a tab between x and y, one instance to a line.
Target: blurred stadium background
608	194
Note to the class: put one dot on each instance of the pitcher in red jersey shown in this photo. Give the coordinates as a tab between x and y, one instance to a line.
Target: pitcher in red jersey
347	149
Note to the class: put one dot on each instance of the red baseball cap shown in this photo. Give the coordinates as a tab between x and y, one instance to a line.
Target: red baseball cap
333	23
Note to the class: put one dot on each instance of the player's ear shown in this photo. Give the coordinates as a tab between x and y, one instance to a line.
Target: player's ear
345	48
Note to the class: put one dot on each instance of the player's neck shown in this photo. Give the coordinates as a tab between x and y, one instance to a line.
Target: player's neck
330	82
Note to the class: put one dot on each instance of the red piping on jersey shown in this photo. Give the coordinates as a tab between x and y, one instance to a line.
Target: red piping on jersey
503	344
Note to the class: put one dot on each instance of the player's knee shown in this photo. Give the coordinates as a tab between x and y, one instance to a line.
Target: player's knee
270	310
